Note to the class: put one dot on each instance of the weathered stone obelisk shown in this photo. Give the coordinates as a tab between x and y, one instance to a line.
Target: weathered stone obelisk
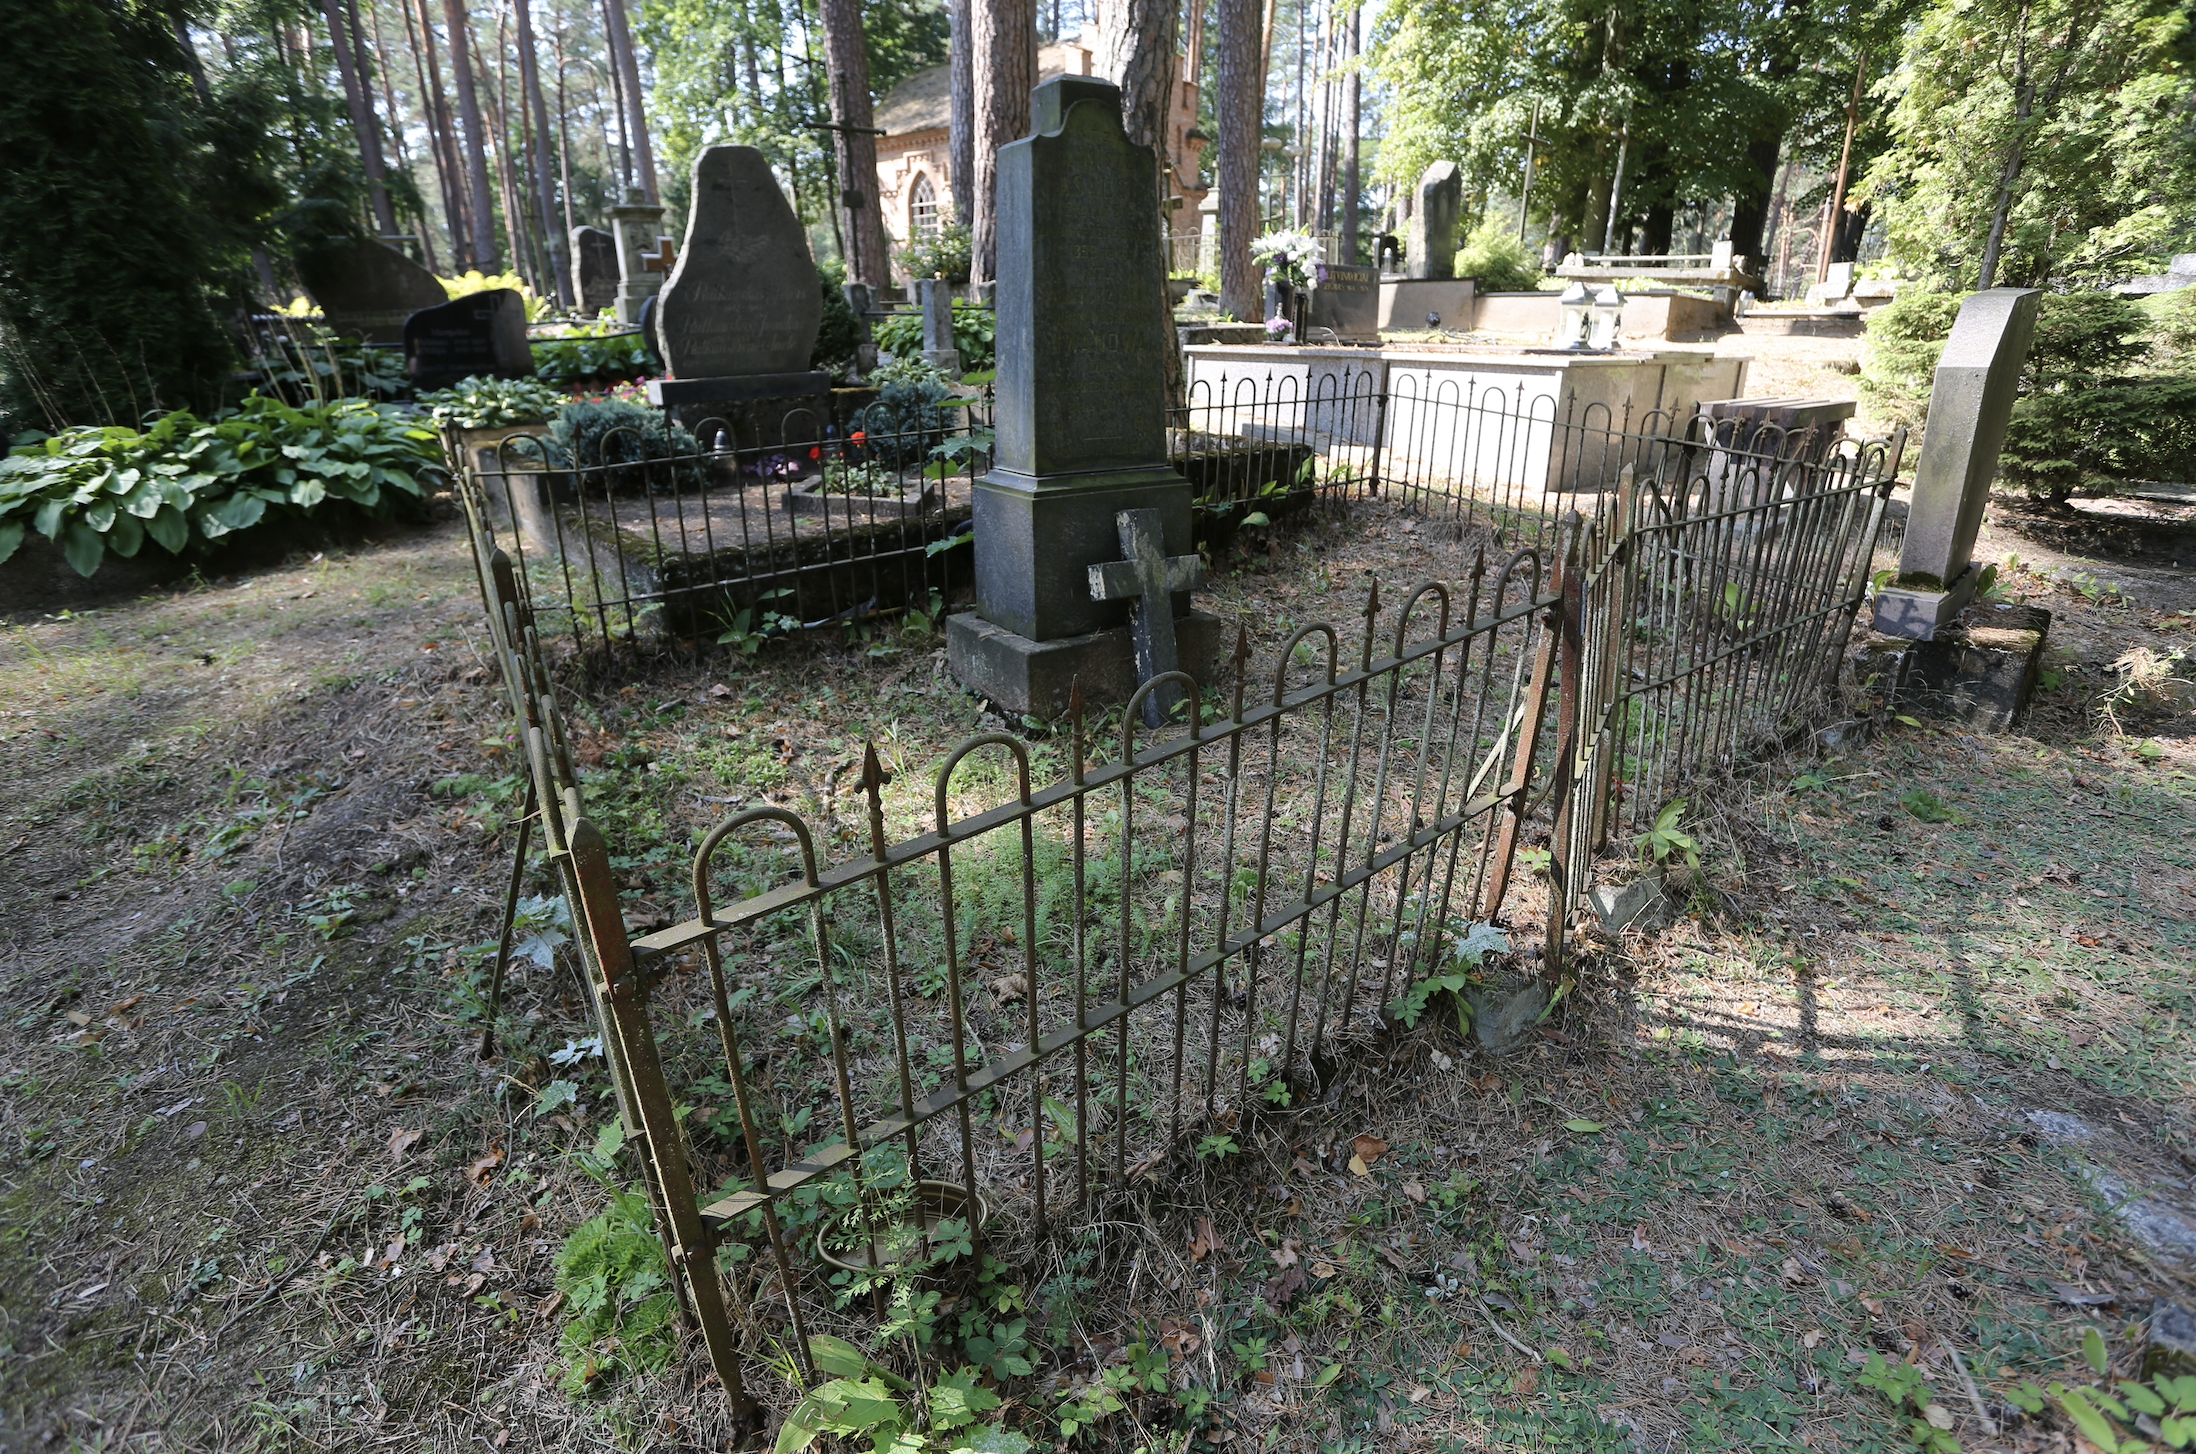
1081	415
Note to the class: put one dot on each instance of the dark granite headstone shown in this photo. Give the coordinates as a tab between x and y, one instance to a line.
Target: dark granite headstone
1440	199
479	335
1347	300
594	269
744	298
1080	412
367	289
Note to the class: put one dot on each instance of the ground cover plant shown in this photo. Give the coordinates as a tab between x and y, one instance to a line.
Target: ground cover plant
184	481
262	1194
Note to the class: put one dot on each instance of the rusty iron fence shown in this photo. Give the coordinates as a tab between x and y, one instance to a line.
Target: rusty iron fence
1026	993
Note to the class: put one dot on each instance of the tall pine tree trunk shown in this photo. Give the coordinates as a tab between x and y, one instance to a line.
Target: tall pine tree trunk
435	112
544	192
362	116
1138	44
479	200
961	115
1238	103
1006	72
1353	119
846	59
628	64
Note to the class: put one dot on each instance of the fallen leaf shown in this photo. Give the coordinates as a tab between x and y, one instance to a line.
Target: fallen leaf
548	1306
720	691
1299	1164
1640	1243
401	1141
478	1172
127	1005
473	1284
1286	1255
1284	1286
1008	988
1414	1191
1938	1415
1358	1167
1811	1338
1177	1339
1369	1149
2075	1297
1464	1348
485	1260
1324	1270
1873	1304
1527	1380
79	1019
1206	1242
1420	1393
1583	1128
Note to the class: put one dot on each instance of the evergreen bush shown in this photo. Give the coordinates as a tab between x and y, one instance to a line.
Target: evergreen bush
1494	258
595	434
105	260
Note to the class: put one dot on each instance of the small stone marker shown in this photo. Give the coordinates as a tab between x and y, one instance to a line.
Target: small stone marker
1151	578
744	298
1970	404
939	349
1431	252
367	289
594	269
479	335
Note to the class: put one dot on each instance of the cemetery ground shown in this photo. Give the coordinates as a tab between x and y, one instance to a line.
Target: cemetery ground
1908	1075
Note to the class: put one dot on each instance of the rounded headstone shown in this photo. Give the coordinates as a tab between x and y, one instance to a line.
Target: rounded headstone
744	297
480	335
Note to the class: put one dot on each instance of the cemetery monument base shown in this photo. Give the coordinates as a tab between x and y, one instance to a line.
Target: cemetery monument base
1978	672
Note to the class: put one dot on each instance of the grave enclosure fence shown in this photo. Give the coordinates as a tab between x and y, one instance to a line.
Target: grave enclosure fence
1007	999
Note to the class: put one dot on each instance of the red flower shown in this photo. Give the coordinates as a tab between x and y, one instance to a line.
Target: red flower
860	436
816	453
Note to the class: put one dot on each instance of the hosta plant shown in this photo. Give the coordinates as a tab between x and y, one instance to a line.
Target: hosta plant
183	481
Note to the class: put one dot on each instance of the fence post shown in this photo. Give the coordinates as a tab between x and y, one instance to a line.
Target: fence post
1563	861
688	1243
1520	784
1620	566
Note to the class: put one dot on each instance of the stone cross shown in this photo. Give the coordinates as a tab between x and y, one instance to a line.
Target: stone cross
1970	404
1151	579
662	259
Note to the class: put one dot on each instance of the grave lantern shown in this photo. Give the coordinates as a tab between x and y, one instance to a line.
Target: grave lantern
1575	317
1607	313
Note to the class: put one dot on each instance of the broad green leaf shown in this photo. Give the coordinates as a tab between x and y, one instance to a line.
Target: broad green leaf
171	528
127	534
2142	1399
1583	1128
100	517
48	518
83	546
307	493
11	536
802	1427
993	1441
240	511
957	1399
837	1356
2093	1350
2094	1426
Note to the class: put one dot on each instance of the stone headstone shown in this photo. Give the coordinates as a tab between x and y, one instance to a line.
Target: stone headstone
594	269
1837	282
1080	412
1970	404
367	289
744	298
479	335
634	224
1346	299
939	349
1431	251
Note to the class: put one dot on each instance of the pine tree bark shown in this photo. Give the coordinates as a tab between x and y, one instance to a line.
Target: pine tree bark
1006	72
1137	53
340	41
1352	117
435	110
544	192
628	63
961	116
1237	107
479	199
846	61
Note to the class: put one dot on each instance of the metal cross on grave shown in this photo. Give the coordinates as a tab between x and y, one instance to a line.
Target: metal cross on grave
1150	578
661	259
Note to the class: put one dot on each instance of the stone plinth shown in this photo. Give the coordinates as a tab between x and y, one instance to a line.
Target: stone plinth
1406	302
1978	671
1080	408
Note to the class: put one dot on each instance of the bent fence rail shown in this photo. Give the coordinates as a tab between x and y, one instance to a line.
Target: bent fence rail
1055	986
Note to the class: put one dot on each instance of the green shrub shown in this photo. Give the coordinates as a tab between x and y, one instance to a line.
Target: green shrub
975	334
1496	260
839	336
594	433
597	354
1905	338
481	403
2084	337
945	251
2173	327
185	480
2095	438
905	422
